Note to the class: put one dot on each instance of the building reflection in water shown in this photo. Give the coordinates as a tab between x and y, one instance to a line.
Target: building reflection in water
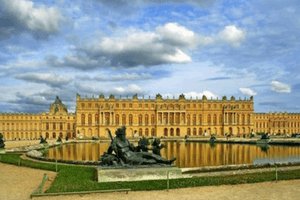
188	154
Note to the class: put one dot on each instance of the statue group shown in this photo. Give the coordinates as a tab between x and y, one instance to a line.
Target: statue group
122	153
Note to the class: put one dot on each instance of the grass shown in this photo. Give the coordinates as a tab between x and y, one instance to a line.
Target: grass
73	178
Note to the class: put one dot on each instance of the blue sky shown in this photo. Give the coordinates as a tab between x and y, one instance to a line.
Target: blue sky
195	47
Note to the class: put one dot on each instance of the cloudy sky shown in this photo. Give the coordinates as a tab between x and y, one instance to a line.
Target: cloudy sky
212	47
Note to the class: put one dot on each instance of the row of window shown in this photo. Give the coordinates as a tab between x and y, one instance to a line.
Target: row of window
35	126
166	118
168	106
20	117
277	124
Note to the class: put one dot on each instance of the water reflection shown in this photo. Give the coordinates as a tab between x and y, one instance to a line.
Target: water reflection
191	154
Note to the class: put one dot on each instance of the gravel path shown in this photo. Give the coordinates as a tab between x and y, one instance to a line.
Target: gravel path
17	183
289	190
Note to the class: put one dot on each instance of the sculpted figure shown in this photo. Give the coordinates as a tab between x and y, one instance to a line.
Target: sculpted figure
126	153
2	145
157	146
143	145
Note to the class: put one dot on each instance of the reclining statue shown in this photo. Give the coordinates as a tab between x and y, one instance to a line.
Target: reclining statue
121	153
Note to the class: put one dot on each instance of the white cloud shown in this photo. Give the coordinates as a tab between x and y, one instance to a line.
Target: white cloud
177	35
25	14
280	87
167	44
194	95
232	35
47	78
130	89
247	91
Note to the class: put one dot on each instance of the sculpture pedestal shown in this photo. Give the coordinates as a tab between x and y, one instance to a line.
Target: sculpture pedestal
137	174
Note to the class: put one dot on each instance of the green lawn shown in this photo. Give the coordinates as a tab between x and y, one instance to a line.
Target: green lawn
72	178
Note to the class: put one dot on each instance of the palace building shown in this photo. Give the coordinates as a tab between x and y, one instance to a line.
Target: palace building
57	122
148	117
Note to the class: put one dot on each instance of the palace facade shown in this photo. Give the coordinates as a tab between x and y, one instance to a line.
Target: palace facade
148	117
57	122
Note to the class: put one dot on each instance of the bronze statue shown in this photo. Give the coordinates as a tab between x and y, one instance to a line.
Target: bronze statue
157	146
43	140
122	153
2	145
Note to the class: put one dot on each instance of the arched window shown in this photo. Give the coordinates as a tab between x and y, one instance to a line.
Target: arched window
147	132
152	132
166	132
177	118
215	119
152	119
117	119
171	118
194	131
208	119
82	119
146	119
123	119
200	119
188	119
177	132
194	119
140	119
188	131
96	119
130	119
171	132
107	118
90	119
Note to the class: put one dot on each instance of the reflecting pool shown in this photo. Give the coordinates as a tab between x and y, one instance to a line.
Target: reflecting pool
192	154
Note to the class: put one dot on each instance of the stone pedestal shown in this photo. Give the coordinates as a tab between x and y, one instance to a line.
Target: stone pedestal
137	174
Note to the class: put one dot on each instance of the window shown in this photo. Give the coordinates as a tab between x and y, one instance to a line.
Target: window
200	119
209	119
146	119
123	119
152	119
117	119
82	119
194	119
130	119
140	119
96	119
188	119
89	119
